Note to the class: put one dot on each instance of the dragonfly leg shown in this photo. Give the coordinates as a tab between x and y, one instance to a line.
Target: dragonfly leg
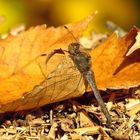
59	51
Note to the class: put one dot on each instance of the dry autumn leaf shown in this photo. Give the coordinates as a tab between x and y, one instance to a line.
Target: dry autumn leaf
136	45
112	68
26	82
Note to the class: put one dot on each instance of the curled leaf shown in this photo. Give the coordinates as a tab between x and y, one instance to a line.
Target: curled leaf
112	68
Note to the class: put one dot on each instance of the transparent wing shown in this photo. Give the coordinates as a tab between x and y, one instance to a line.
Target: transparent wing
63	83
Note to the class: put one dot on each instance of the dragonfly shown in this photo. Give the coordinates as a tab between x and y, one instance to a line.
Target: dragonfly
82	61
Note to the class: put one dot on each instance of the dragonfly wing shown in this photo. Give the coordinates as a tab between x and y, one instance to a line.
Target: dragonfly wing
63	83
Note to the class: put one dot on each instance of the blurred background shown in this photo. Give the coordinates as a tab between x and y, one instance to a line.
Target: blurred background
125	13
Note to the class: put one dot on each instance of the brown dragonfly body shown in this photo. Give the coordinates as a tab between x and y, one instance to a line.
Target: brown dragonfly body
83	63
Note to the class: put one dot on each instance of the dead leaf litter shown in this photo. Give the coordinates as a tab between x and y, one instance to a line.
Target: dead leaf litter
81	118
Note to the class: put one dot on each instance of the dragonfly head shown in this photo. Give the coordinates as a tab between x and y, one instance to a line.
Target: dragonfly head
73	48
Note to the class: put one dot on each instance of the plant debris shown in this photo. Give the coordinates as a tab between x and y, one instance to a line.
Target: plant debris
75	120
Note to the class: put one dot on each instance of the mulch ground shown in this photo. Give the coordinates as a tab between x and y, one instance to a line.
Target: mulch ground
77	119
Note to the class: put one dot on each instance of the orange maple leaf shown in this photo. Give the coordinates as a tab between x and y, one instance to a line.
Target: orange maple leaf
26	82
112	68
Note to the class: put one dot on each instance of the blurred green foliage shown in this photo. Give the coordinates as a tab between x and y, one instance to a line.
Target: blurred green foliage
57	12
13	13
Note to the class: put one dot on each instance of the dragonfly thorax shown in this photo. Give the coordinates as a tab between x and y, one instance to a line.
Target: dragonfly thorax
80	59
